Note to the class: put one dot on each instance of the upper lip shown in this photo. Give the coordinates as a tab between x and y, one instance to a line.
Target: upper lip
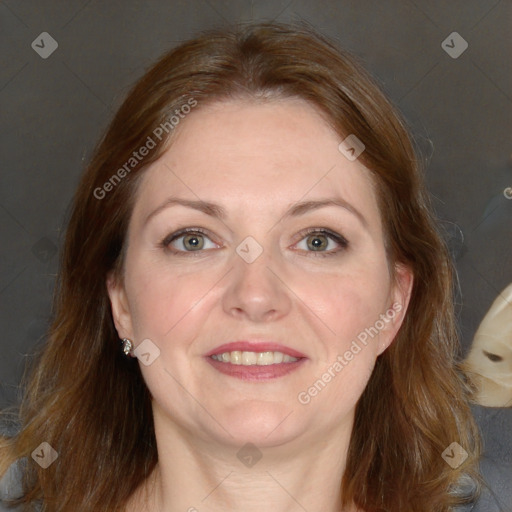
255	346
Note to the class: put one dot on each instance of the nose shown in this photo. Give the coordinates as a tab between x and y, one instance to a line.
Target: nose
255	291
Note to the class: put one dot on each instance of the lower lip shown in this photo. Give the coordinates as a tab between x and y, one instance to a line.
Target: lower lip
256	372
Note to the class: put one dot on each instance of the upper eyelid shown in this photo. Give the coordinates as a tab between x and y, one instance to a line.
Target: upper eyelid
323	231
176	235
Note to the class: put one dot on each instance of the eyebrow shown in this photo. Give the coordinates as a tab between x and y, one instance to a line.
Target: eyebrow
296	210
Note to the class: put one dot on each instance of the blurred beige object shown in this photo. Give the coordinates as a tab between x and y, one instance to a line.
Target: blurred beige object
489	362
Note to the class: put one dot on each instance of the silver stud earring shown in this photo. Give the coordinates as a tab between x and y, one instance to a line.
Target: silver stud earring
127	346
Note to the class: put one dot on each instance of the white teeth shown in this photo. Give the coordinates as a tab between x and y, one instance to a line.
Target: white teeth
265	358
278	357
254	358
248	358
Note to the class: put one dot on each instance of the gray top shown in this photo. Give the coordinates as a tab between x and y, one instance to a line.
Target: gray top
496	464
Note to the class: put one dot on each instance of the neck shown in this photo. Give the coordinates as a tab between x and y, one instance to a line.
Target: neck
197	475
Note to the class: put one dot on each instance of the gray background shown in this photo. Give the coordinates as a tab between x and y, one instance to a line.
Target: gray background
53	110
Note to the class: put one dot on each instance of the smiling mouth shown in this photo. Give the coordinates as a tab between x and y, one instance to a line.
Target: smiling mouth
245	358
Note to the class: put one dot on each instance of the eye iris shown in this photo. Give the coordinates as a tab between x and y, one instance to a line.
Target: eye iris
195	241
315	242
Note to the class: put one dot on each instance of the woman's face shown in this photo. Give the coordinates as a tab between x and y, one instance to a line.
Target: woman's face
249	180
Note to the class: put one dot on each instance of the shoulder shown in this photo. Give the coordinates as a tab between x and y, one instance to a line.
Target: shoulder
10	485
496	462
497	490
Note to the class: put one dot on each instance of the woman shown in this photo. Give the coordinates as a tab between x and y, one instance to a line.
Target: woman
254	227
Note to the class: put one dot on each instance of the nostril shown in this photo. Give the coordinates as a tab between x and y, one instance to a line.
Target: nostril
493	357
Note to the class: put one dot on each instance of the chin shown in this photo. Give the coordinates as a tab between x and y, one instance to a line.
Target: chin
260	423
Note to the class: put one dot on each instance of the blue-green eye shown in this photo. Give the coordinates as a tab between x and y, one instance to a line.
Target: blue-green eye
188	240
318	241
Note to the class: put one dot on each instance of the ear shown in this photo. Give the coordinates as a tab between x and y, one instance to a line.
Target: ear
120	308
398	303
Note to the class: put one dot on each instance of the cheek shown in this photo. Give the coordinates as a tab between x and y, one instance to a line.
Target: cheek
163	302
348	301
336	386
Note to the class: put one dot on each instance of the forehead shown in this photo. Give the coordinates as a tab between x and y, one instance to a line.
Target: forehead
252	154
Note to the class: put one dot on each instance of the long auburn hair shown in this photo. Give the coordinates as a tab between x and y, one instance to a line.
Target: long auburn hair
93	407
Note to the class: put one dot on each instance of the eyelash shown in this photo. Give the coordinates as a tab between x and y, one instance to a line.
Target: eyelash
339	239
